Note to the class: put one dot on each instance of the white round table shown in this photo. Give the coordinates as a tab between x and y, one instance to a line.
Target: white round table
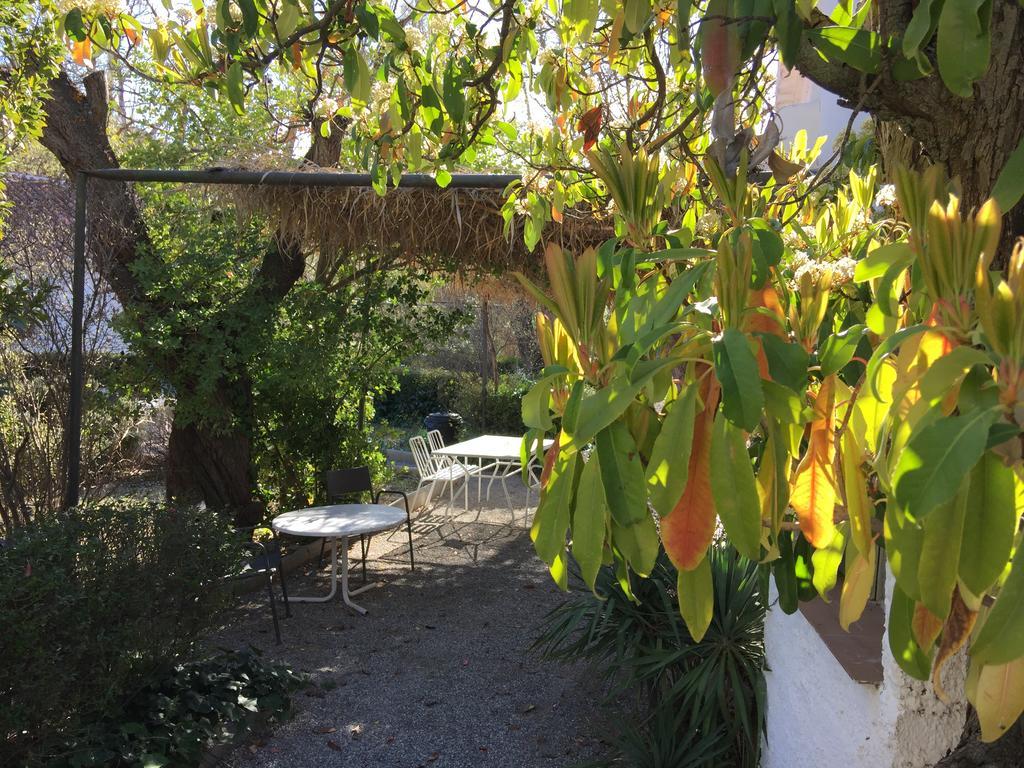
334	522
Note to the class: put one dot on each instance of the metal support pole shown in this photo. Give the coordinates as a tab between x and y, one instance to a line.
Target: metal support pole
73	439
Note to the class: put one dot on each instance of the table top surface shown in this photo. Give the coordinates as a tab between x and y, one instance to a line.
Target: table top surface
339	520
487	447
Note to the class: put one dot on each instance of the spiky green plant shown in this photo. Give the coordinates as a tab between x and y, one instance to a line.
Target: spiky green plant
700	703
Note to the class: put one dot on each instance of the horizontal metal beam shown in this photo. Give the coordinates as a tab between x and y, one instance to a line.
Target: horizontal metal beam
297	178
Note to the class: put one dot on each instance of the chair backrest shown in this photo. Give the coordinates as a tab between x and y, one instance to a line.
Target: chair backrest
421	455
347	482
435	439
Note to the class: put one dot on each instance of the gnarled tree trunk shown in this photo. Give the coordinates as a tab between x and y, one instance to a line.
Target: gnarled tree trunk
208	463
972	138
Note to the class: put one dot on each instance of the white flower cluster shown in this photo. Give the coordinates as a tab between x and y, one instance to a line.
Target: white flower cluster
414	37
380	93
709	223
548	56
521	206
842	269
886	197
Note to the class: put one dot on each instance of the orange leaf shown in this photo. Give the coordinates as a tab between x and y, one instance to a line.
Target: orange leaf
954	634
131	34
549	460
925	625
813	497
556	215
590	126
720	50
296	55
687	530
82	51
755	322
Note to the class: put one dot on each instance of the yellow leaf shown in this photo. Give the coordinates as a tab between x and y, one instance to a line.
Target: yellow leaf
858	506
998	697
860	577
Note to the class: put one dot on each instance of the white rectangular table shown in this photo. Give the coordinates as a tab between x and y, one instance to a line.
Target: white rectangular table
498	454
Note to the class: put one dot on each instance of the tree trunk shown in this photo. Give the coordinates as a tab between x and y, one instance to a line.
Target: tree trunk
208	463
972	138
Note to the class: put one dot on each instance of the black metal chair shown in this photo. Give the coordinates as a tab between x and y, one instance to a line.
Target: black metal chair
344	484
263	558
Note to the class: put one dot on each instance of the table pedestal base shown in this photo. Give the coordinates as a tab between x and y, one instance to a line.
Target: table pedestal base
346	593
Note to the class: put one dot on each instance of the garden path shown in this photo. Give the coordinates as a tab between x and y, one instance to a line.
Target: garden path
439	674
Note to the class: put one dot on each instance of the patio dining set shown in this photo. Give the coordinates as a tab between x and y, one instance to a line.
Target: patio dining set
487	459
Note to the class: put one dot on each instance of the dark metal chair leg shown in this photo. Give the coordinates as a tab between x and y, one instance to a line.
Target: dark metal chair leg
320	560
273	606
362	548
284	591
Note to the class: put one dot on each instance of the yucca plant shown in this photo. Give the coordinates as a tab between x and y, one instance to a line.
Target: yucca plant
700	703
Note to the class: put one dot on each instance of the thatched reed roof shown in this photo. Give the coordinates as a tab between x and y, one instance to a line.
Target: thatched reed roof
457	231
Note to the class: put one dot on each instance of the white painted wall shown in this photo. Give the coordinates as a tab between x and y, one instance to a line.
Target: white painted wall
818	716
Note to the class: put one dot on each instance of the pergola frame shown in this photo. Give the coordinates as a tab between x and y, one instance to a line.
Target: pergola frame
208	176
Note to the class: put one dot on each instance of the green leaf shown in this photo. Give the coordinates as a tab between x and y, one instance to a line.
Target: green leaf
783	568
600	409
882	259
946	373
639	544
1009	186
904	539
838	349
905	649
964	43
74	25
589	521
937	459
940	551
250	16
787	362
1001	639
990	524
882	351
443	178
858	48
551	521
622	474
236	89
357	75
736	369
454	96
826	562
789	30
734	488
638	13
535	408
696	598
669	466
683	10
921	26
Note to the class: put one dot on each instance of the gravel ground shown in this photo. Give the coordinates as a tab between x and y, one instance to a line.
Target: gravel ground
438	674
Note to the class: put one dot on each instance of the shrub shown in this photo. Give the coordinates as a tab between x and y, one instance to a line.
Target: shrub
95	604
196	706
421	392
701	704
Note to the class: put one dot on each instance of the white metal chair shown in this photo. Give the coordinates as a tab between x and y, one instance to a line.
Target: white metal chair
436	441
433	474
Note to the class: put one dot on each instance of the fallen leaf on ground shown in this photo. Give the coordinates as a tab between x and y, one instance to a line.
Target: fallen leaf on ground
324	729
334	745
